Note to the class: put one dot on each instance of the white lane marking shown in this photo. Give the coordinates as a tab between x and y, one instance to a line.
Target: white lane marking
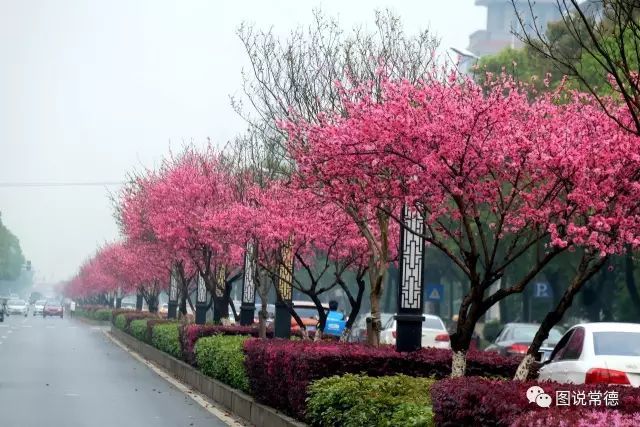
4	326
10	331
50	327
27	326
71	395
197	397
4	337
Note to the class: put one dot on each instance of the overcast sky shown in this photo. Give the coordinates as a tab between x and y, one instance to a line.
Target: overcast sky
90	89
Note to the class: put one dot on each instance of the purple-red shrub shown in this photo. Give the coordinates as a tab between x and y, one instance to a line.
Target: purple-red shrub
190	333
279	371
577	418
481	401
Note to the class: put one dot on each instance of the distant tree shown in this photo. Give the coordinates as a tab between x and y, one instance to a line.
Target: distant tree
11	257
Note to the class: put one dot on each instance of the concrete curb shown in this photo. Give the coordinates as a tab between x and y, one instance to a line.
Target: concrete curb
237	402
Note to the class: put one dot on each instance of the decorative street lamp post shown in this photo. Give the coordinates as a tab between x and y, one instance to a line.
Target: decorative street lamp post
201	301
173	296
282	322
219	293
410	298
139	302
248	307
119	298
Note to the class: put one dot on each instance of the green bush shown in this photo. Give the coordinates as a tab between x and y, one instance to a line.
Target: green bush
491	330
103	314
221	357
165	337
359	400
120	322
138	328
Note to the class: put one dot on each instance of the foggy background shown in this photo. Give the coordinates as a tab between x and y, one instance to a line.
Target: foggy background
90	90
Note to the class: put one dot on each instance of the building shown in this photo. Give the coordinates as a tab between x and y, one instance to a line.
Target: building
502	22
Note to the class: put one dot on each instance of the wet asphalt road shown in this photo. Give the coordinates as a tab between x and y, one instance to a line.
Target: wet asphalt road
62	372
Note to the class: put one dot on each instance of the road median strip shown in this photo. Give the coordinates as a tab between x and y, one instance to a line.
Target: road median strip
235	401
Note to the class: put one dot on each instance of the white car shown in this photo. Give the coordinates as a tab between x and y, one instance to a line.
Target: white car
596	353
434	333
17	306
38	306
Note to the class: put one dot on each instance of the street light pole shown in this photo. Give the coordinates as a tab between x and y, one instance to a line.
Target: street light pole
410	295
248	307
282	328
201	301
173	296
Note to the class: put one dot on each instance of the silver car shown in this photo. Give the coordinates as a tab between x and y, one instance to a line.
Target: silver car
38	306
17	306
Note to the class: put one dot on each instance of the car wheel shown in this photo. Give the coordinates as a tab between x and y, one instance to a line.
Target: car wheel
61	316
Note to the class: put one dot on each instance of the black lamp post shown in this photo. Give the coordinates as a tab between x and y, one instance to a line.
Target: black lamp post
219	293
248	307
282	322
201	301
119	298
410	298
139	301
173	296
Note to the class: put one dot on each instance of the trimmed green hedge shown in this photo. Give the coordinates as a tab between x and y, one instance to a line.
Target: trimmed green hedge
120	322
165	337
103	314
359	400
138	328
221	357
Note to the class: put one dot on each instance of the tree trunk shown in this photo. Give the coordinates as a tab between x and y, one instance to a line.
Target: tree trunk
458	364
585	272
630	281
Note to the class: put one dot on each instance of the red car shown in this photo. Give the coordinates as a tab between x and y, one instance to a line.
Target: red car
52	308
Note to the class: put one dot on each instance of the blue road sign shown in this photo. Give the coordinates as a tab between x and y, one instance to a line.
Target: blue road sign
543	290
435	292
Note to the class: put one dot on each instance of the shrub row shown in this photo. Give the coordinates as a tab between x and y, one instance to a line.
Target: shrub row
94	312
221	357
138	328
279	371
190	333
577	418
122	318
481	401
359	400
165	337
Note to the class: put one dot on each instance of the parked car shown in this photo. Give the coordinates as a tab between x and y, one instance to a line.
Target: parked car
128	305
434	333
596	353
164	308
308	313
515	339
3	307
38	306
17	306
359	328
53	307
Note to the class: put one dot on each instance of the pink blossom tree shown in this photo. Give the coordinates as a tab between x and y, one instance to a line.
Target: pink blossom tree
474	160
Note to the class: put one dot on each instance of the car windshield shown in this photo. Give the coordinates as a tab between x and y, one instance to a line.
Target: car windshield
16	302
526	333
41	302
610	343
53	302
432	323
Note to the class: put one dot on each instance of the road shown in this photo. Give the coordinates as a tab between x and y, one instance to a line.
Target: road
63	372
